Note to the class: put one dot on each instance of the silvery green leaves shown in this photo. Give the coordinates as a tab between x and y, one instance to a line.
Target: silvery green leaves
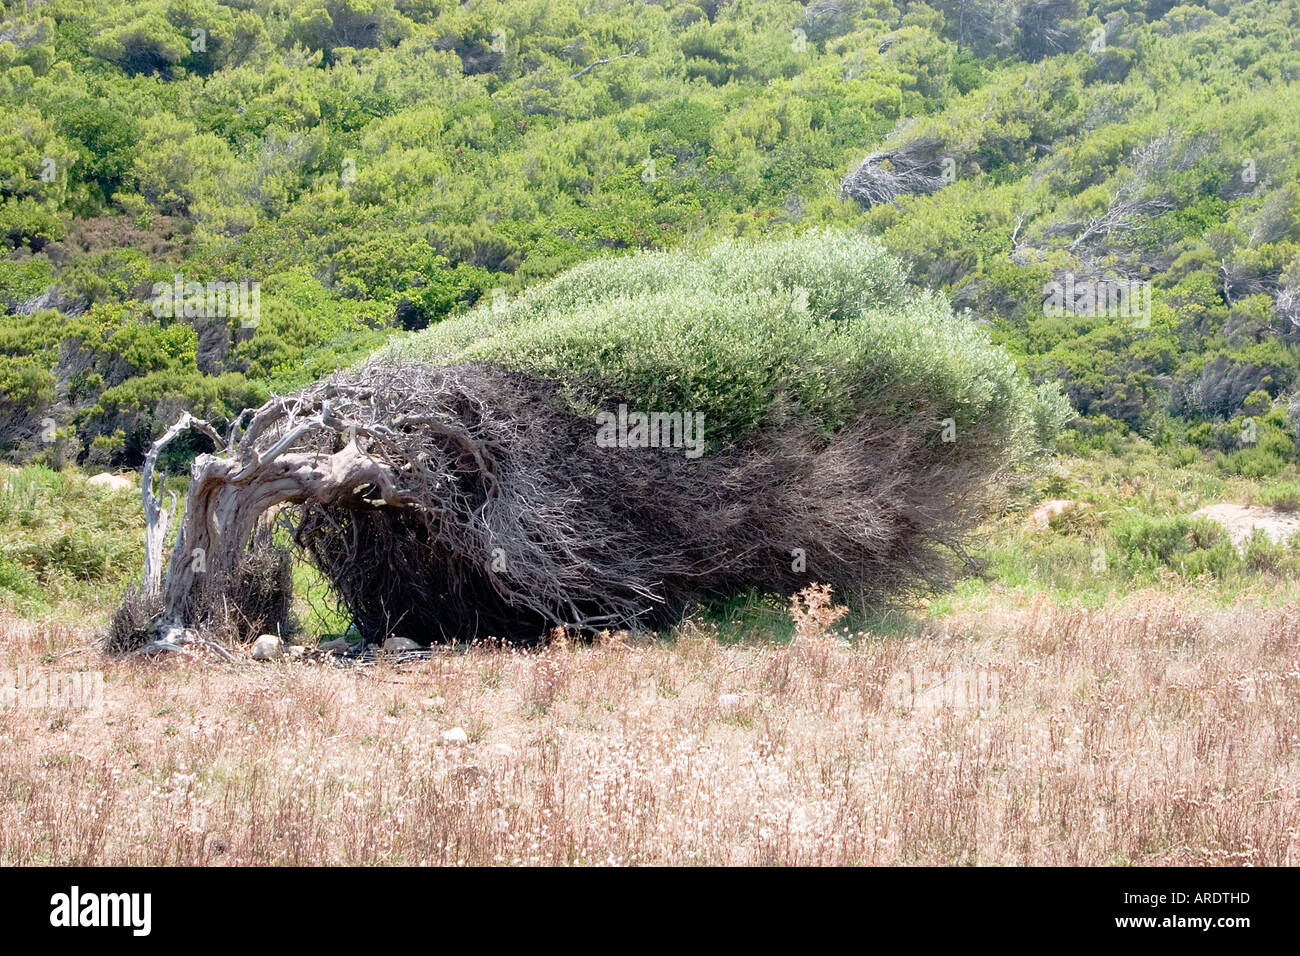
748	334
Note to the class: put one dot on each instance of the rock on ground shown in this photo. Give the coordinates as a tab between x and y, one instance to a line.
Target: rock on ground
266	648
1041	517
111	482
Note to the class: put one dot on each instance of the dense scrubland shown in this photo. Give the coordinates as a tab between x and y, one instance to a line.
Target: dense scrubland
473	182
378	165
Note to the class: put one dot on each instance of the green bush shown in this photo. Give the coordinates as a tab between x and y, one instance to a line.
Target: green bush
753	335
16	580
1191	546
1285	496
381	164
1151	539
61	538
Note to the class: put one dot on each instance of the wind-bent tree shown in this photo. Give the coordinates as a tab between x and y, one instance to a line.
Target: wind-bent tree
807	418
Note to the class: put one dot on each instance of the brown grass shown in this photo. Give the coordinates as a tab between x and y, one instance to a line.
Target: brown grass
1152	731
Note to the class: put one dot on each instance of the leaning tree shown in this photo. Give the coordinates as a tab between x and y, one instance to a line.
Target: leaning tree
787	412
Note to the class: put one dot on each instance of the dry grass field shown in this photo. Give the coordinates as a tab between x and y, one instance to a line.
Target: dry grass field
1155	730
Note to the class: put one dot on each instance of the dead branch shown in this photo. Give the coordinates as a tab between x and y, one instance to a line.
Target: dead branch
156	517
911	168
635	51
453	503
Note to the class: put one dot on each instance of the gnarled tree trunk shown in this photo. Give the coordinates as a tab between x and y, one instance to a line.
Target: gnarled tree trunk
448	503
232	490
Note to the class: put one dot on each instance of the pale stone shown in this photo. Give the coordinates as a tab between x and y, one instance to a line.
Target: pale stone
111	482
266	648
1042	515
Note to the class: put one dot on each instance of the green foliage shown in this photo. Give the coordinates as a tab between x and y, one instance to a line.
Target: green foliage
61	539
379	165
1146	541
756	335
1284	496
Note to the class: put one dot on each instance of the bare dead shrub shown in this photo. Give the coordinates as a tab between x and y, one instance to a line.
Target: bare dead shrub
913	168
255	597
133	620
813	614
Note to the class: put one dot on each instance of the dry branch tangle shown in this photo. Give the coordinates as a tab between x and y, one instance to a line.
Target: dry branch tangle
228	495
449	503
